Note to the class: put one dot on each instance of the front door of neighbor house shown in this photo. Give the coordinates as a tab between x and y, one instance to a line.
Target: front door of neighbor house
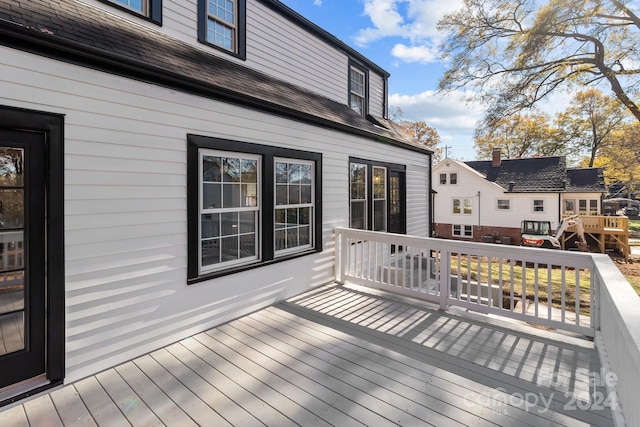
396	203
23	326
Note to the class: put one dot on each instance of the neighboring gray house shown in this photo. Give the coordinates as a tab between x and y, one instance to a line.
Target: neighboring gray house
170	165
481	200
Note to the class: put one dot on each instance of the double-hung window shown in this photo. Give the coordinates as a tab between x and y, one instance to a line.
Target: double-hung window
293	205
462	231
453	178
443	178
358	196
504	204
358	90
249	204
538	205
150	10
221	24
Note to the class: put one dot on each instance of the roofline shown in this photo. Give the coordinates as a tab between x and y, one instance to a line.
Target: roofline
322	33
23	38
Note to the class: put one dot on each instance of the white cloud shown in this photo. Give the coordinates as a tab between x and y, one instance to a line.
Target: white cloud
451	115
413	20
317	3
421	54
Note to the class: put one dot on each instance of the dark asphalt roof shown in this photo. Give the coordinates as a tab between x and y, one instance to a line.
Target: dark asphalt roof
80	33
540	175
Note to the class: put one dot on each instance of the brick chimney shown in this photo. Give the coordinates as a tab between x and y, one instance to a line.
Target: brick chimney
497	158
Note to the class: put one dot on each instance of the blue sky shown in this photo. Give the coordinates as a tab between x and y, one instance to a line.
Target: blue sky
401	37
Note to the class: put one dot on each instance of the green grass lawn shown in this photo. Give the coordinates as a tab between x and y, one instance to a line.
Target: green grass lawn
634	225
549	281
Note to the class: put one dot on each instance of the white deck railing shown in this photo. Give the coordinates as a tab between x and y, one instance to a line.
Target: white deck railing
588	293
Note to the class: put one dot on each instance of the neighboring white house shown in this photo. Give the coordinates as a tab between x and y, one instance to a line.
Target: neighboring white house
487	200
169	165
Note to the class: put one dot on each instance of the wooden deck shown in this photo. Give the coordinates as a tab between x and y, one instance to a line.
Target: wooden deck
341	356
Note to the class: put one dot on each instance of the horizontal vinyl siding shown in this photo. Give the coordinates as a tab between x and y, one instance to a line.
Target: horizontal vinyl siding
288	52
418	200
125	206
376	95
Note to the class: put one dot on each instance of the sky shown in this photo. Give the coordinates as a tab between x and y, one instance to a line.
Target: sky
401	37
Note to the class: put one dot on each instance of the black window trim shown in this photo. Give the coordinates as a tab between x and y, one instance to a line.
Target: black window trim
266	234
391	167
154	15
241	29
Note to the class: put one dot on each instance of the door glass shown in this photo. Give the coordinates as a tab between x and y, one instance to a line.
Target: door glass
12	289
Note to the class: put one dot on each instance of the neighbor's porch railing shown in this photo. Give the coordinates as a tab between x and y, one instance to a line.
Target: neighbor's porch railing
579	292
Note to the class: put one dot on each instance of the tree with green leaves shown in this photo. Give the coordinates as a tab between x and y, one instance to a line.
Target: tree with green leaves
620	158
517	52
590	122
519	135
421	132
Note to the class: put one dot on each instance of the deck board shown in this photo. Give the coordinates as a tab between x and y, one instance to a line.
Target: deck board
339	356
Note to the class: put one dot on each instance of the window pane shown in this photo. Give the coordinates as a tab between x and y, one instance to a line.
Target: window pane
249	195
294	174
210	252
210	225
280	218
231	195
292	216
248	222
282	172
305	216
282	194
247	246
467	206
280	239
443	178
453	178
304	236
229	250
294	194
305	174
211	169
357	219
211	196
379	215
305	194
379	183
231	170
292	237
249	170
229	222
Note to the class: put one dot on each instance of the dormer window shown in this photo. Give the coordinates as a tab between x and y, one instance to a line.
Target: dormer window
357	90
221	25
147	9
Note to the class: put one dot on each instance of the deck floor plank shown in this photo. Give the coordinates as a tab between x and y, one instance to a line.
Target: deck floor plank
338	355
41	412
560	399
161	374
70	408
103	410
161	405
130	404
14	417
389	383
204	381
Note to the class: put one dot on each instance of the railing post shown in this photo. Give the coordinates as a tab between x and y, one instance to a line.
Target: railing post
339	237
445	278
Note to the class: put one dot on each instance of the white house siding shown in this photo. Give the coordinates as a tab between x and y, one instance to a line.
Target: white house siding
376	95
125	206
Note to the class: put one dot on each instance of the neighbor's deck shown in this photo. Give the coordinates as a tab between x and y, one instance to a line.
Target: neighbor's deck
340	356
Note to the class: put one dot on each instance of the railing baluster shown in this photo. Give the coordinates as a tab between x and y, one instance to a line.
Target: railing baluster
535	289
511	290
562	295
577	296
549	293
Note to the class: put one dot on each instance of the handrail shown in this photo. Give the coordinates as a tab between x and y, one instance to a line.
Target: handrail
594	298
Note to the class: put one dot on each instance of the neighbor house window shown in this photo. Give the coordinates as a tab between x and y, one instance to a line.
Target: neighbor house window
443	178
462	231
504	204
582	207
538	205
357	90
569	207
294	207
249	204
149	9
593	207
221	24
463	206
453	178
